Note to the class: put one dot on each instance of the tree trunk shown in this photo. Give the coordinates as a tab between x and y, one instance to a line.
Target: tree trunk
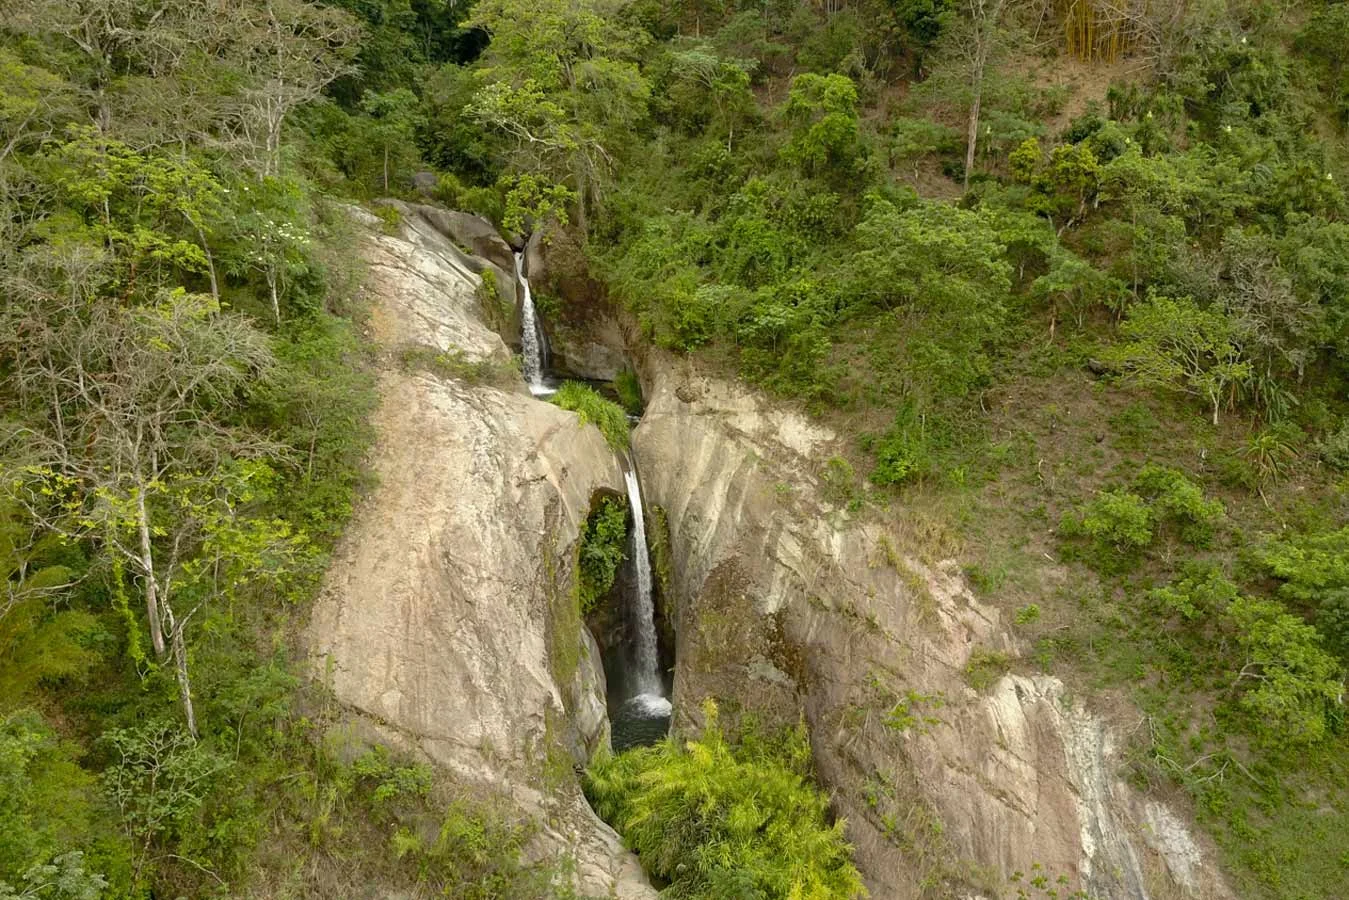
210	267
276	301
147	563
582	219
180	672
386	168
972	138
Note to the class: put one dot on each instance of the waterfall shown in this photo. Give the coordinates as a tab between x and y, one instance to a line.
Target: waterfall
531	335
646	656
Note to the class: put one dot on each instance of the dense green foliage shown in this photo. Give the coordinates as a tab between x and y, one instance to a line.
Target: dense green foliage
720	821
773	204
183	406
603	547
892	211
594	409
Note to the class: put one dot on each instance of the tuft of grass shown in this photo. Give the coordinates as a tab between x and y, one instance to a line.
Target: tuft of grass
629	390
593	409
986	667
454	364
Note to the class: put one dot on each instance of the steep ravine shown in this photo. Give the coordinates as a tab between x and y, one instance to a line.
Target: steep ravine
786	607
446	624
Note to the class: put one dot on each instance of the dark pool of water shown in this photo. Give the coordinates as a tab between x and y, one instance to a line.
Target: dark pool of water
637	722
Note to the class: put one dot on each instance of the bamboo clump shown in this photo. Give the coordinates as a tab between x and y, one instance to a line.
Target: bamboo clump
1100	30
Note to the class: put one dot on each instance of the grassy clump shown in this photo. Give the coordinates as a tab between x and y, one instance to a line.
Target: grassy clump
629	390
719	821
456	365
593	409
434	836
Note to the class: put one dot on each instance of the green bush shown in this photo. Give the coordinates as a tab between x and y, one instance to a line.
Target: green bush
1293	687
602	550
1334	449
591	408
1116	519
1177	499
838	481
1314	571
50	810
1202	595
902	454
478	854
497	312
717	822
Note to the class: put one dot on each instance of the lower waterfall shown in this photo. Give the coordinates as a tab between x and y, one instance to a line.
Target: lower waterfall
647	682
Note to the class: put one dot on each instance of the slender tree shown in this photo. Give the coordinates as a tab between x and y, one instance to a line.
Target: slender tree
127	429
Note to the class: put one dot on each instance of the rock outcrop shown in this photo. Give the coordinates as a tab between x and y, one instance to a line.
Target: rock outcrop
588	339
446	624
787	607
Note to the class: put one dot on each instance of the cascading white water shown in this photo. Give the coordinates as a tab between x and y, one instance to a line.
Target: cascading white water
646	656
531	335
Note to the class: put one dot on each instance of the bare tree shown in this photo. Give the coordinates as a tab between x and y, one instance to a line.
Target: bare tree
288	50
126	423
976	44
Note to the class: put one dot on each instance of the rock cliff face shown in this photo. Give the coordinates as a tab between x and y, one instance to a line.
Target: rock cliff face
786	607
446	624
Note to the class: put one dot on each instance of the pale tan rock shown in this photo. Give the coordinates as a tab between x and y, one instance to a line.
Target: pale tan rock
787	606
442	617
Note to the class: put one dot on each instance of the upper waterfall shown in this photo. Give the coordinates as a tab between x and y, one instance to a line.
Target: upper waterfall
532	341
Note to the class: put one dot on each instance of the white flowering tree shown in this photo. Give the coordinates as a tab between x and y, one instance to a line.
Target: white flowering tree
269	236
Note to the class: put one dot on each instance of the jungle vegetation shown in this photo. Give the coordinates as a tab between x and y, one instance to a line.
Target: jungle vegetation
1071	279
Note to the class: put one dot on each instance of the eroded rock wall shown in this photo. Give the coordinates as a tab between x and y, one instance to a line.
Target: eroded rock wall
787	606
446	624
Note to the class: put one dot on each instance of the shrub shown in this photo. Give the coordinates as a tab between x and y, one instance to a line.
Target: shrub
1311	565
836	482
718	823
602	551
1314	570
593	409
497	312
48	805
1116	519
479	853
390	218
985	667
1177	499
1271	452
1295	684
1334	449
902	454
1205	593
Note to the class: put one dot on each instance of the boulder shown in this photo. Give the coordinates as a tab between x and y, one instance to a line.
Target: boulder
472	233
